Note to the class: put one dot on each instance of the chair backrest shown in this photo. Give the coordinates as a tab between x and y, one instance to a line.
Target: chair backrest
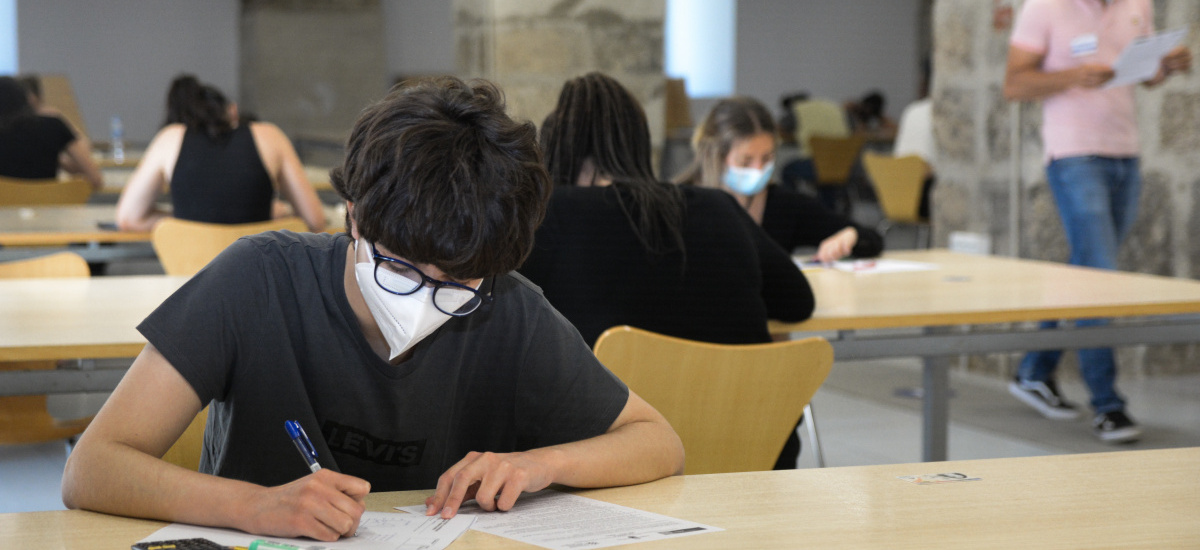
678	118
25	192
24	418
818	117
185	451
732	405
898	182
58	93
62	264
834	157
183	247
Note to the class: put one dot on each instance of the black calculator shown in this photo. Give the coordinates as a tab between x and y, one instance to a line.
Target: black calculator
180	544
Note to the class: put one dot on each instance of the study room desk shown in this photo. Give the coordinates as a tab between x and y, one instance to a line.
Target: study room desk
117	175
985	290
62	225
68	227
1129	499
91	318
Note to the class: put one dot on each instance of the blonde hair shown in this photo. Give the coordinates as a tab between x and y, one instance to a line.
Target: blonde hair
730	120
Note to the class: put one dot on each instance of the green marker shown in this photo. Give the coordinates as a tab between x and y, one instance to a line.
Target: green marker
266	545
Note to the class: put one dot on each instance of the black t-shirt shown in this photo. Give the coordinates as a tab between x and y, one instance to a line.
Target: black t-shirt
267	334
221	180
793	220
29	148
730	280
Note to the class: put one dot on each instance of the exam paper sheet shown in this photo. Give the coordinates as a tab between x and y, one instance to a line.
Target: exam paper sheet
868	266
562	521
376	531
1139	61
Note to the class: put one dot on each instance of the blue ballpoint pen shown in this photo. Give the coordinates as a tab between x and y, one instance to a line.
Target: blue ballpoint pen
307	451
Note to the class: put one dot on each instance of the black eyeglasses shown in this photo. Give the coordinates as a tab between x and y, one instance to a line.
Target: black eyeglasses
402	278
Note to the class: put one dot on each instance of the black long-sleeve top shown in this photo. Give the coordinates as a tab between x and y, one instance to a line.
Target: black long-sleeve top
731	278
793	219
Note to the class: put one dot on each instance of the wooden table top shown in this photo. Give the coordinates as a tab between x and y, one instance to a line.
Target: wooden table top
130	161
94	317
1128	499
117	175
967	289
62	225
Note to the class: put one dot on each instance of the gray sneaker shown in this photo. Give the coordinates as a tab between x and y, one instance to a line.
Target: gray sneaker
1115	427
1043	397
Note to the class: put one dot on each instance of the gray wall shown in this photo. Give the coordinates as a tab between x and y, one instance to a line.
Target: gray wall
834	49
121	55
418	37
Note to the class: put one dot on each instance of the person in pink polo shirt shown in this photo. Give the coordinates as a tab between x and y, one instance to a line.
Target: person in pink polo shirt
1061	52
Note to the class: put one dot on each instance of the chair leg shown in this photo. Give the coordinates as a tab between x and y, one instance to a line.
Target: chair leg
810	421
883	227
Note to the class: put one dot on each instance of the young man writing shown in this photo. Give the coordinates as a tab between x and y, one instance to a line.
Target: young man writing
407	345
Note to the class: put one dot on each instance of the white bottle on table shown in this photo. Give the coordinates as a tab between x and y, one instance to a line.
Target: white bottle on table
118	140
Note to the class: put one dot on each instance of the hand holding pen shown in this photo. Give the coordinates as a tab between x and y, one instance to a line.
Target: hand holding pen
324	505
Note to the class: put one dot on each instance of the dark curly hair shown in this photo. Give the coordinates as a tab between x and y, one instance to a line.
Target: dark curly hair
439	174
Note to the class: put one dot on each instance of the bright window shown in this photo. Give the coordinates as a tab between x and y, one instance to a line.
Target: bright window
700	45
8	36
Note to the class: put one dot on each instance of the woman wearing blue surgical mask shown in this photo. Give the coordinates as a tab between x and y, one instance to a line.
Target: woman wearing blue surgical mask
735	151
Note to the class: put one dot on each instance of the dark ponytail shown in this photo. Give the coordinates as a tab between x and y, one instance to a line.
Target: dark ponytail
197	106
597	119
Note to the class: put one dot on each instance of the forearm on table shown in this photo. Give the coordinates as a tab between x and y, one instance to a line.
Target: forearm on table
122	480
634	453
144	221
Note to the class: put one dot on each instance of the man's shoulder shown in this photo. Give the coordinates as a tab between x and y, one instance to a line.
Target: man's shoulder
286	240
518	287
290	247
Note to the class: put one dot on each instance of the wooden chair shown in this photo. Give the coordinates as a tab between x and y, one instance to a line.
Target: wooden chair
833	161
898	183
58	93
183	247
24	418
818	117
733	405
185	451
25	192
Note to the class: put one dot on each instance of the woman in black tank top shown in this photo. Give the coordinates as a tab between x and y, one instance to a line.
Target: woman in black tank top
35	145
218	171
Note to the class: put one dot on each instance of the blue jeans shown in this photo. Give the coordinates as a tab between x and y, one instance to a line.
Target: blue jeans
1097	199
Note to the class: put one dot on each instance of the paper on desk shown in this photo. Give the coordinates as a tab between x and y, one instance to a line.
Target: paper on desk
1139	61
870	266
376	531
561	521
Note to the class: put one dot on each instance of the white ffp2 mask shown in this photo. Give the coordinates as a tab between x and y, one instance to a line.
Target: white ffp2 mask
403	320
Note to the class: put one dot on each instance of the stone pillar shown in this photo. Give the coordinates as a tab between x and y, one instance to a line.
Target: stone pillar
310	66
972	129
531	47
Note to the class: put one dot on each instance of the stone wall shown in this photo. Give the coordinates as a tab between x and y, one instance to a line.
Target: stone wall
530	47
310	66
973	125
